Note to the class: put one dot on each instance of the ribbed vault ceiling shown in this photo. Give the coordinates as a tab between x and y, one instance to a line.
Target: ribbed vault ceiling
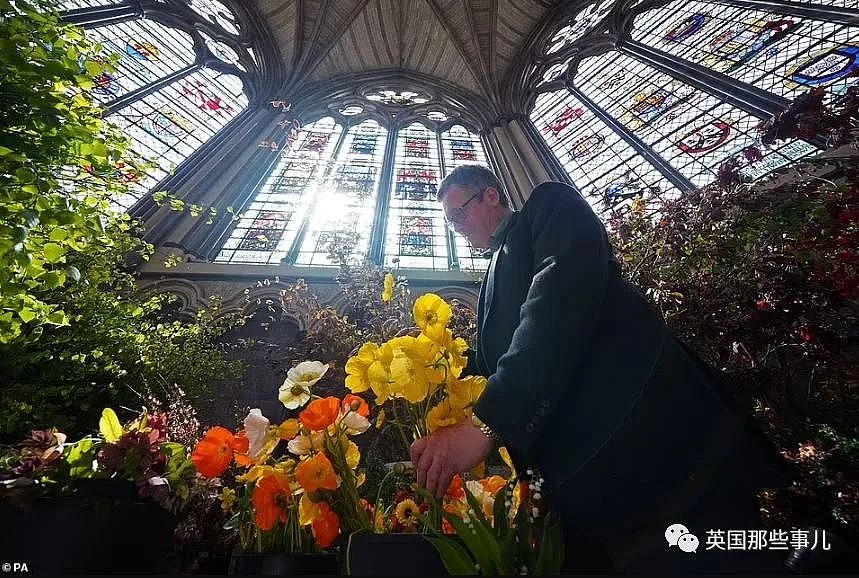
470	43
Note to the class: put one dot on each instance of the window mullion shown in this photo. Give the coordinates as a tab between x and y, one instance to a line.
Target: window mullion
95	16
145	91
376	251
292	254
662	165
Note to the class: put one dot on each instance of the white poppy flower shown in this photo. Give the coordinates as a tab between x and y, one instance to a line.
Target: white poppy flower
302	445
293	395
355	422
307	373
256	426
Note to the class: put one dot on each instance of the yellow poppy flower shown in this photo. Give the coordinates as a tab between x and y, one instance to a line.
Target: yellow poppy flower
432	314
455	349
388	292
288	429
444	415
353	454
465	392
357	368
307	510
409	379
255	473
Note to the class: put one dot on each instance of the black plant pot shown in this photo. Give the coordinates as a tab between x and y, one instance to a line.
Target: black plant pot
391	555
103	529
276	563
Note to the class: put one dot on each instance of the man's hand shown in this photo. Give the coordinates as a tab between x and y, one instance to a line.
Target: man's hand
448	451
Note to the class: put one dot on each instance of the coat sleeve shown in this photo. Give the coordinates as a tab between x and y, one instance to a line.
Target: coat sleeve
557	320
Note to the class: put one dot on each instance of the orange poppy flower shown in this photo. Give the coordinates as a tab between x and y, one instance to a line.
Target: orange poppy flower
320	414
271	497
325	526
363	409
455	490
212	454
493	483
316	473
241	445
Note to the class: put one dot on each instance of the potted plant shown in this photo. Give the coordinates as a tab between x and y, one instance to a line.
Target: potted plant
290	504
89	490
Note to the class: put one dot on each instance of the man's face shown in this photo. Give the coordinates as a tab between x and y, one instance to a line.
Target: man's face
473	220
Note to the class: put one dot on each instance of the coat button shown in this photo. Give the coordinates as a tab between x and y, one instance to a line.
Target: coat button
546	403
541	411
529	428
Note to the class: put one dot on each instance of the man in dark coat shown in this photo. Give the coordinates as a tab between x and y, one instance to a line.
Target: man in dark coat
630	430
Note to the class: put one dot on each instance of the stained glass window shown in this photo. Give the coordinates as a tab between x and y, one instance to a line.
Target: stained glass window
73	4
268	228
555	71
604	167
170	124
222	51
782	54
462	147
583	22
216	12
148	51
347	200
399	98
416	236
693	131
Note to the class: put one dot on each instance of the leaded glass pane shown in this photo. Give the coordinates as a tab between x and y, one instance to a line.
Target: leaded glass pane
581	24
216	12
170	124
416	235
147	50
222	51
693	131
604	167
73	4
270	225
347	200
782	54
462	147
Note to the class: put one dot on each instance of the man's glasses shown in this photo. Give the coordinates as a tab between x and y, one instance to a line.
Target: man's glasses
458	215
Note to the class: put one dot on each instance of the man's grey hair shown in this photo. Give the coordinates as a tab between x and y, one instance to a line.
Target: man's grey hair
475	178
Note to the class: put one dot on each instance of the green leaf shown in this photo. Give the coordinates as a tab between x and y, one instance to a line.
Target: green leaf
26	314
54	279
53	252
469	534
58	234
80	458
5	151
57	318
551	556
109	426
455	558
499	514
